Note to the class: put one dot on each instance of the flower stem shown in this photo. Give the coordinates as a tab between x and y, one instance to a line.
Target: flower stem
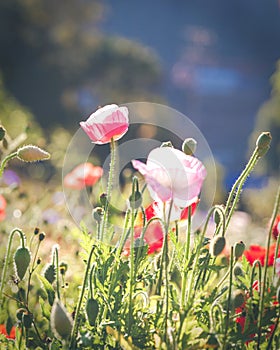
5	161
131	277
263	287
109	189
77	315
4	272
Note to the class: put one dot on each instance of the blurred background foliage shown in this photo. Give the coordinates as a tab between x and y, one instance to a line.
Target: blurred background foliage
57	59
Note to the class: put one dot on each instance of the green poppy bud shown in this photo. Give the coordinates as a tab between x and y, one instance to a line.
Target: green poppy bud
27	319
31	153
237	271
42	236
61	321
92	309
189	146
217	245
263	143
238	298
22	260
50	273
135	200
98	213
19	313
63	268
212	342
103	199
238	249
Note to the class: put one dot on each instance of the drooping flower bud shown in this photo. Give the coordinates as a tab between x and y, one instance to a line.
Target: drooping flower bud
42	236
92	309
22	259
63	267
237	271
263	143
19	313
238	249
217	245
61	321
31	153
103	199
189	146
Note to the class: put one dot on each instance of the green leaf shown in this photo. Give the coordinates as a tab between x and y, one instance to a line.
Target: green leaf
48	287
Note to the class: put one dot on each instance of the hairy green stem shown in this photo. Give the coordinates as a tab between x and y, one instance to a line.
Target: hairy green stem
131	276
262	293
5	161
73	337
5	267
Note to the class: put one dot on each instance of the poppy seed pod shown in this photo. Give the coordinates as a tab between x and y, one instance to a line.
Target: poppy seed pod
22	259
50	273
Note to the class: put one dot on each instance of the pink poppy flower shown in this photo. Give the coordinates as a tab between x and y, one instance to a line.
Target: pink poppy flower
3	205
85	174
108	122
172	175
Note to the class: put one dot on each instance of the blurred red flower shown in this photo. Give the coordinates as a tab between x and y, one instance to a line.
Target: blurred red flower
257	252
3	205
276	227
85	174
12	334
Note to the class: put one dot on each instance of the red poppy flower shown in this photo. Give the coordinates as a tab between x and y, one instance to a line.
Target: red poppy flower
85	174
12	334
276	227
256	252
3	205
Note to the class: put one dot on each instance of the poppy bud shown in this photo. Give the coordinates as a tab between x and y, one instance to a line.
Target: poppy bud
189	146
217	245
103	199
238	298
36	230
238	249
61	322
22	259
92	309
31	153
97	214
19	313
42	236
27	319
263	143
135	200
237	271
212	342
63	268
50	273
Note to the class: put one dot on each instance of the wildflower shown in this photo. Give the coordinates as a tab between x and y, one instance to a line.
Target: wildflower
110	121
172	175
85	174
276	227
256	252
11	335
3	205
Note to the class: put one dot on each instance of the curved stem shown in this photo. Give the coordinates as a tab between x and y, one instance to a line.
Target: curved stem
77	315
5	161
57	272
5	267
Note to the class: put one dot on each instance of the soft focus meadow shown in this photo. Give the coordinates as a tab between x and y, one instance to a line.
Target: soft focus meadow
158	284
